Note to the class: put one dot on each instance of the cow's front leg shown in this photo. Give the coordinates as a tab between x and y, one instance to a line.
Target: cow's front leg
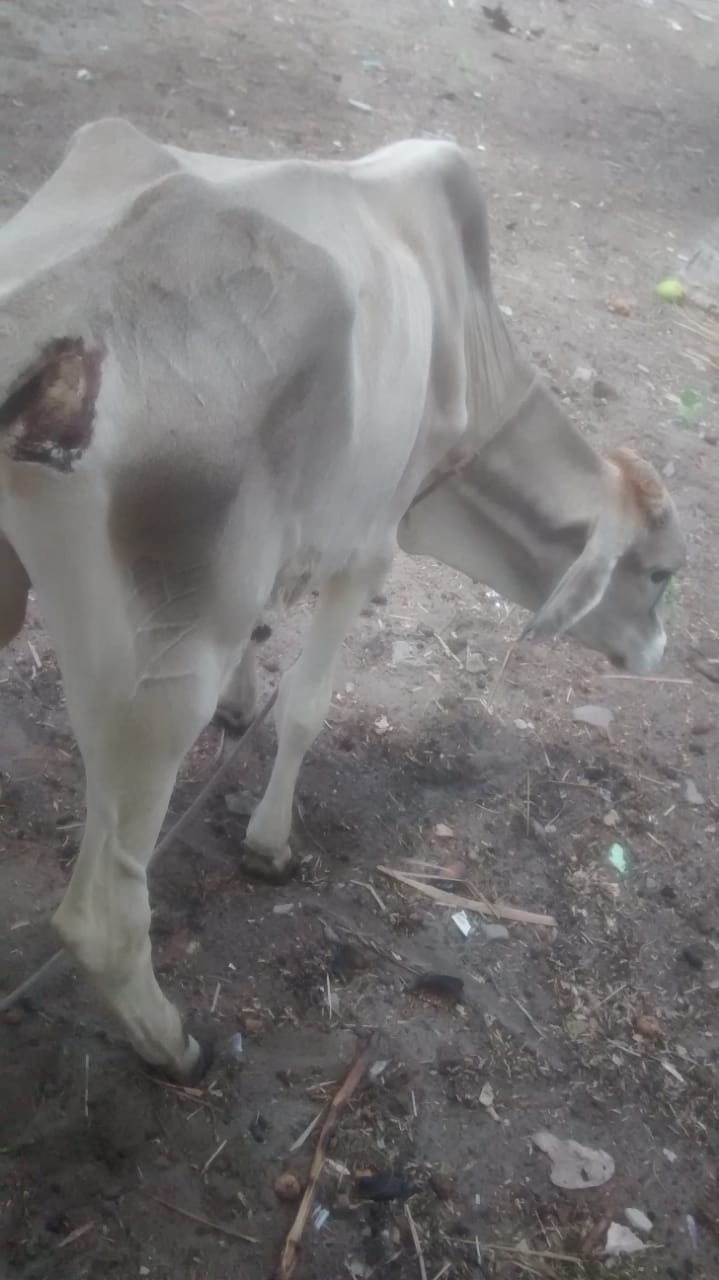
132	748
302	702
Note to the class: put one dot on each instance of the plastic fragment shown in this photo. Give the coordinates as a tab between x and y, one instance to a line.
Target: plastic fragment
618	858
439	984
383	1187
692	794
692	1231
574	1165
462	922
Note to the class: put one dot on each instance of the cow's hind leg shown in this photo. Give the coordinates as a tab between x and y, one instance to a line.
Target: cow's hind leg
238	701
132	747
302	702
14	587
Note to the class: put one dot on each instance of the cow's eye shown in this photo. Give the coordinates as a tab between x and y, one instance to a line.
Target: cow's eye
660	575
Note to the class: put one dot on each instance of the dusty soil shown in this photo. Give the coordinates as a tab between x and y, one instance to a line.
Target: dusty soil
596	133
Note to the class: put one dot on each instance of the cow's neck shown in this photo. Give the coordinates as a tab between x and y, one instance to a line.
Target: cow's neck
519	512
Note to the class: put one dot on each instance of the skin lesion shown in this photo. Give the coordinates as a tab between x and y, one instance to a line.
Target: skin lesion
48	415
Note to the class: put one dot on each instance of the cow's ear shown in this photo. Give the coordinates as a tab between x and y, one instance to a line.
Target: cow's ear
47	416
577	593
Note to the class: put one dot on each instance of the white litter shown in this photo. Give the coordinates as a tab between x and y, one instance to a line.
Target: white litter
621	1240
574	1165
460	919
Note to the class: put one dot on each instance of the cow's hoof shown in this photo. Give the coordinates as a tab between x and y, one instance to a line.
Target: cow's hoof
273	867
235	720
192	1074
204	1062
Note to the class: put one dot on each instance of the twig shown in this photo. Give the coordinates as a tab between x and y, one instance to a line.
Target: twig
290	1252
211	1159
215	998
416	1242
495	910
87	1085
299	1142
202	1221
523	1252
529	1017
9	1000
614	675
364	884
76	1235
498	681
446	649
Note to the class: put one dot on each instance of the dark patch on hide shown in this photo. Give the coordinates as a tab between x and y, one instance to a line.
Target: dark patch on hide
48	415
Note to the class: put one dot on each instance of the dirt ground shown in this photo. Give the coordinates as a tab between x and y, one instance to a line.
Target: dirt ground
595	126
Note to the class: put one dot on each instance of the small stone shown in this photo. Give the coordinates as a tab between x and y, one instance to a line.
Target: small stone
648	1026
604	390
619	306
668	470
582	374
443	832
710	437
693	956
287	1188
692	794
611	818
259	1127
639	1220
441	1185
702	727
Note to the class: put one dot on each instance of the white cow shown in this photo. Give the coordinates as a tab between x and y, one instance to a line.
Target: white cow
224	382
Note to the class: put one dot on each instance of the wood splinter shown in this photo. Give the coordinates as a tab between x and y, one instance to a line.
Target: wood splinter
290	1252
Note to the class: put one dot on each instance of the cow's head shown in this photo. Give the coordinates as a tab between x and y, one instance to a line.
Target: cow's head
610	596
589	544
